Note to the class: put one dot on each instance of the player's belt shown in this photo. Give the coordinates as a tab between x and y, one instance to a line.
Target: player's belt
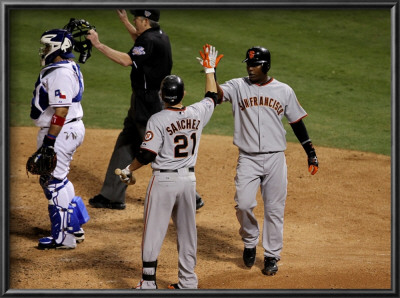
175	171
69	121
73	120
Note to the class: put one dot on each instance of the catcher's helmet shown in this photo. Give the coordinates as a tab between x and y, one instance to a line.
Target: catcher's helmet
172	89
259	55
57	42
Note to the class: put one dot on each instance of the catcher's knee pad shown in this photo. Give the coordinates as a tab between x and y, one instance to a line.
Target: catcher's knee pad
73	224
77	215
79	212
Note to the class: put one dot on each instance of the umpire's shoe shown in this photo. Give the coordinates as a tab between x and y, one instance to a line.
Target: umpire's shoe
100	201
270	266
199	201
249	256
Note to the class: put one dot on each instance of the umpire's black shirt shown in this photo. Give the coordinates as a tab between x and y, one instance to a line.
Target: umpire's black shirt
152	59
152	62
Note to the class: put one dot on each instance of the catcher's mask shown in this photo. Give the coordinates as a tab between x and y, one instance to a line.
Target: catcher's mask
56	42
79	30
172	89
259	55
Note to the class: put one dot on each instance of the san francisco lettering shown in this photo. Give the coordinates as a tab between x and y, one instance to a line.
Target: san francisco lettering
262	101
183	124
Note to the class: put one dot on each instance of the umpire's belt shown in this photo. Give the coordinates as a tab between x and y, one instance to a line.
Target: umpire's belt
174	171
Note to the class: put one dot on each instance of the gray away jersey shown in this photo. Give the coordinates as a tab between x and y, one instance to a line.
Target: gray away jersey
258	111
174	134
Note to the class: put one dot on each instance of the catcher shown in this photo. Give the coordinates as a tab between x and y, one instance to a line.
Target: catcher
56	109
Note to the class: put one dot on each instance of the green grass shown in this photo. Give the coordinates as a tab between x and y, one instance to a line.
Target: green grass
337	61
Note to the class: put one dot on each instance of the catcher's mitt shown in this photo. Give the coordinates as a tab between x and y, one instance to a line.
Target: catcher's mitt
42	162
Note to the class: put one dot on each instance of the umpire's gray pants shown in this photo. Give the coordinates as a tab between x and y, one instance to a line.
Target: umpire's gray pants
125	150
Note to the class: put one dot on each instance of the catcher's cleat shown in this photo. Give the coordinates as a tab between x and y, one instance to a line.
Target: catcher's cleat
174	287
249	256
100	201
49	243
79	236
270	266
199	201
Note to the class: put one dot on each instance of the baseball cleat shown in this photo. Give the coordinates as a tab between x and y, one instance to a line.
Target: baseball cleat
199	201
79	236
249	256
173	287
270	266
49	243
100	201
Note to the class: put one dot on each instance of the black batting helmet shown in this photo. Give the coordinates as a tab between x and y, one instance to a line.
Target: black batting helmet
259	55
172	89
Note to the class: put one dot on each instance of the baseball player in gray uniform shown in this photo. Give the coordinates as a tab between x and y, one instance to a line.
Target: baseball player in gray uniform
171	145
259	102
56	108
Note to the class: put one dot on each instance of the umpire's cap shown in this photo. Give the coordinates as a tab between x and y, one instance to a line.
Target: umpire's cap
152	14
259	55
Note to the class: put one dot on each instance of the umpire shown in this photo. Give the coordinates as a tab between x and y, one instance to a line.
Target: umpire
151	60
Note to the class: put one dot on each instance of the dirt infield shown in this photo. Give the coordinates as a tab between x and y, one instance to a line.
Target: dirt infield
336	236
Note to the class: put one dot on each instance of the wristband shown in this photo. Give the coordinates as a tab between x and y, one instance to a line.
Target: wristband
49	140
57	120
213	96
309	148
209	70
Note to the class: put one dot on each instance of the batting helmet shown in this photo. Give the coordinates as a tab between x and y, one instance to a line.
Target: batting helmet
259	55
57	42
172	89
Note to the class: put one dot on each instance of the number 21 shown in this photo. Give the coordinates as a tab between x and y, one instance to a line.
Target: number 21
182	145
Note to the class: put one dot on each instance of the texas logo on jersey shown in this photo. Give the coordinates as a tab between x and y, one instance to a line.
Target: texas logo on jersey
60	94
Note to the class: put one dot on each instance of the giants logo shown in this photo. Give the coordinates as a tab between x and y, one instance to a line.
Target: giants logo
148	136
251	54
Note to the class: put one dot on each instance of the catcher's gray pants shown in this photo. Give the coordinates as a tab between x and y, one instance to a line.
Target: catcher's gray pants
269	172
